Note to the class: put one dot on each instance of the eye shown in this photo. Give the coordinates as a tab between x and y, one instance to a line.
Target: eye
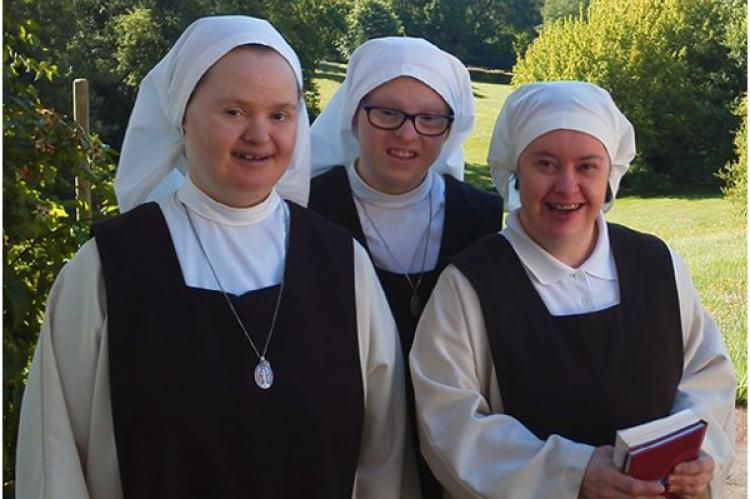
544	164
279	116
587	167
234	112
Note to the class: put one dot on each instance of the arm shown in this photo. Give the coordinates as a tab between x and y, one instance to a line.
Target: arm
66	442
472	447
708	382
386	467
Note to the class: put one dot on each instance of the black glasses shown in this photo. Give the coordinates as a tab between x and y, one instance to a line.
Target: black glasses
428	124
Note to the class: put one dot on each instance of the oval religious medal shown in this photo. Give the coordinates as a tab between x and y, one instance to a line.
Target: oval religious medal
263	374
415	305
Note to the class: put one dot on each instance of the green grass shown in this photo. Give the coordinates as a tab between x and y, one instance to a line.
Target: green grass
712	240
703	230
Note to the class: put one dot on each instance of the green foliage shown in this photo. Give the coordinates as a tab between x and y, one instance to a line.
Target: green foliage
558	9
734	173
370	19
479	32
139	43
668	66
43	153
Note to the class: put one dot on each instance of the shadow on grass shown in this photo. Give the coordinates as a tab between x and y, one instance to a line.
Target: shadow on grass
478	175
477	94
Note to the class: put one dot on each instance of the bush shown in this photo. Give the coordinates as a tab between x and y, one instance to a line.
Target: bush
734	173
43	153
668	66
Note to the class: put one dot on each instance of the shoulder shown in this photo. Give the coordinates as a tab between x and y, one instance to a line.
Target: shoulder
476	203
81	279
331	180
316	223
631	238
482	251
141	214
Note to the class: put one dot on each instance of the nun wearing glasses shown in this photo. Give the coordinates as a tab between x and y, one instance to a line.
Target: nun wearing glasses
540	342
187	350
388	166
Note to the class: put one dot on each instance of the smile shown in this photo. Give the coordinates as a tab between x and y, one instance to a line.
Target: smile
250	157
564	207
401	154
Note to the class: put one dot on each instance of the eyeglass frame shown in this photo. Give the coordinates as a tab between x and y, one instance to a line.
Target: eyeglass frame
411	117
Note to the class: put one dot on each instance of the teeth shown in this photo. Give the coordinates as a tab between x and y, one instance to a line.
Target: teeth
402	154
565	207
248	157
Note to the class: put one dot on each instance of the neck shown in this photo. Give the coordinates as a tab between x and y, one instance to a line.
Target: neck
571	253
386	187
237	202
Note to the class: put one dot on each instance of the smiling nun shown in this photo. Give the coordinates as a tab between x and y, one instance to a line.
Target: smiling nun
388	164
187	349
543	340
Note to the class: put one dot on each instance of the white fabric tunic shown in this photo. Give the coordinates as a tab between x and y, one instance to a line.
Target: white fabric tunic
477	451
66	437
401	219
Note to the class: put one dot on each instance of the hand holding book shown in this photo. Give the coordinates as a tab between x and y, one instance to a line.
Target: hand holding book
667	450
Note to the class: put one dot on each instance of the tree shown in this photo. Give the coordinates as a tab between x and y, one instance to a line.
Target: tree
667	64
558	9
370	19
479	32
734	173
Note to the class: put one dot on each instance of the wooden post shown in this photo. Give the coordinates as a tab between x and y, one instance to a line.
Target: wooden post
81	116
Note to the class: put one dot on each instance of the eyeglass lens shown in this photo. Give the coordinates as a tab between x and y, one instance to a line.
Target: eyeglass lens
391	119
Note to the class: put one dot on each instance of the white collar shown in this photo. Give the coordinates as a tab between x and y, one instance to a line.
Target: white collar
367	194
199	202
547	269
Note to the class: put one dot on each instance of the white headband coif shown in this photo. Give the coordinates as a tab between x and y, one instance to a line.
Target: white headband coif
534	109
376	62
152	161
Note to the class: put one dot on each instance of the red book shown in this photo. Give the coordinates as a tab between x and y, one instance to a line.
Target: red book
651	451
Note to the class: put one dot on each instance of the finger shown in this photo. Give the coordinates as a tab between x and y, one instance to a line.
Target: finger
700	479
700	465
689	489
634	487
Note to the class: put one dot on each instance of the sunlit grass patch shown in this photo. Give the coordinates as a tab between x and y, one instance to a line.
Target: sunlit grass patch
712	240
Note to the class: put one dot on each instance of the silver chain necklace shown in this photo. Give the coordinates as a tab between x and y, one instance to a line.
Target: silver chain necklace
415	303
263	373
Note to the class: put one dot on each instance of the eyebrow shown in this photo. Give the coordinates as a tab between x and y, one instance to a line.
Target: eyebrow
581	158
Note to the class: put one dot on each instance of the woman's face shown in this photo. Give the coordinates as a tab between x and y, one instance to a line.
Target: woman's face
396	161
563	179
240	126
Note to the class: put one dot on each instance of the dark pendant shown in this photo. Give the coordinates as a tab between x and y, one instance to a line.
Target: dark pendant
415	305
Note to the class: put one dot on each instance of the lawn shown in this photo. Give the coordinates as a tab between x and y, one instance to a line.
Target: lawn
704	230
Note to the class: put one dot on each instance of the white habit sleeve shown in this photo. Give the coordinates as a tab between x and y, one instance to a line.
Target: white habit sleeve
66	445
708	382
386	467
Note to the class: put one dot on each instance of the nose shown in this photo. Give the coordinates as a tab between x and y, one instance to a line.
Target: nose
567	181
256	131
407	130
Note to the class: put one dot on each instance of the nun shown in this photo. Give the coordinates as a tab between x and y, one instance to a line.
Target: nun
541	341
388	166
187	349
